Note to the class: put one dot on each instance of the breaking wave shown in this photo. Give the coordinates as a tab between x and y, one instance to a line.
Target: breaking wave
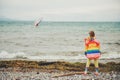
22	55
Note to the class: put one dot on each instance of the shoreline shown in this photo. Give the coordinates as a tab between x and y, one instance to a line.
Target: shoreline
58	65
116	60
56	70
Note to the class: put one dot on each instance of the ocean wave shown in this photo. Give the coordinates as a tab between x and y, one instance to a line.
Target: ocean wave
116	43
22	55
5	54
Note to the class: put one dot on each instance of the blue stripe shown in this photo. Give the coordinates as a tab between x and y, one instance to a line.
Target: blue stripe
93	51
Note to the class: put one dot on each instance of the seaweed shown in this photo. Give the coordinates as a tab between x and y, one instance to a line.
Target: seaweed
57	65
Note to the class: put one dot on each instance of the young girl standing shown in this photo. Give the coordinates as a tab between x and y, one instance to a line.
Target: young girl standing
92	51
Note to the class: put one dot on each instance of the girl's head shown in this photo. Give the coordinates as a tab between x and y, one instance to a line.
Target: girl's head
91	34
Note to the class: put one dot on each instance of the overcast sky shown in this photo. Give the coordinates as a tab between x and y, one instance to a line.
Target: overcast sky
61	10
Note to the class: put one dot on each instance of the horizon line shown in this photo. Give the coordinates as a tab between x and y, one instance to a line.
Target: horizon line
58	21
9	19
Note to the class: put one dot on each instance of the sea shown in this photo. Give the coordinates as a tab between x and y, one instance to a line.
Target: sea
56	40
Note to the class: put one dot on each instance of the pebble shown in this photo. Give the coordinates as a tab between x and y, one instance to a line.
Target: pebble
38	75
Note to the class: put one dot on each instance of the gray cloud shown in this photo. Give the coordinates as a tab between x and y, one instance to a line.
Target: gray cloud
61	10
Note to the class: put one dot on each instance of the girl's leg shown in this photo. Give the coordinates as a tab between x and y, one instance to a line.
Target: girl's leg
96	65
87	65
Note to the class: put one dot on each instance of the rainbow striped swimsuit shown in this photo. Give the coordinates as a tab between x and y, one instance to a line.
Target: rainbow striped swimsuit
92	49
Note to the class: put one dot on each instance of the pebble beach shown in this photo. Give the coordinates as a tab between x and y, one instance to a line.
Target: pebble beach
37	75
32	70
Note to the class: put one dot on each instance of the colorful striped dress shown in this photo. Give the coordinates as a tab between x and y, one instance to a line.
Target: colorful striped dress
92	49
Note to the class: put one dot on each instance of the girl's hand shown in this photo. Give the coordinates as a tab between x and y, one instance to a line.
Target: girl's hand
86	40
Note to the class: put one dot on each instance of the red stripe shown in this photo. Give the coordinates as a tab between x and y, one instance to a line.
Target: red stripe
93	56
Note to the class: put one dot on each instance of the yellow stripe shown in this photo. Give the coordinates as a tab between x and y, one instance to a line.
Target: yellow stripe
92	48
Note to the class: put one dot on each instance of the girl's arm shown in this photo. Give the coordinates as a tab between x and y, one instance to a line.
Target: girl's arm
86	41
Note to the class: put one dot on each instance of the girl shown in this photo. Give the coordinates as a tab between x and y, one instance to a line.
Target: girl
92	51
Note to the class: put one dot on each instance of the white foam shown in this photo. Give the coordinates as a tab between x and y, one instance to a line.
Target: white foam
55	57
6	55
110	55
